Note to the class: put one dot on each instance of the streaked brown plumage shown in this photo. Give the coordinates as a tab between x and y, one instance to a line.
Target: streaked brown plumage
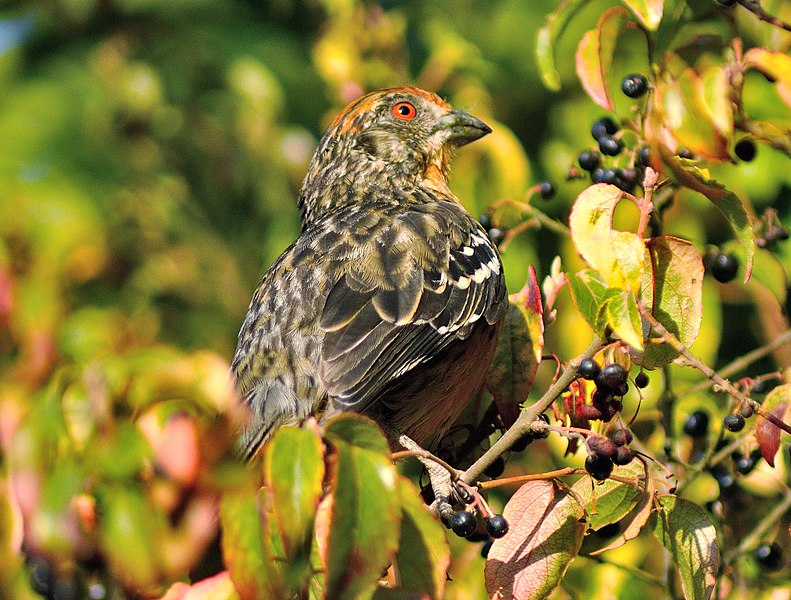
390	301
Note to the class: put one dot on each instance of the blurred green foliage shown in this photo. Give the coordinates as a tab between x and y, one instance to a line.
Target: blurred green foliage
151	159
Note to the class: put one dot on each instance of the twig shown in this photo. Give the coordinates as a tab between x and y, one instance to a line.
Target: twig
695	362
522	425
755	8
645	204
402	454
487	485
742	362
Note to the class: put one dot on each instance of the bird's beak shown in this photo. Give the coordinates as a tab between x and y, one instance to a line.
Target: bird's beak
462	128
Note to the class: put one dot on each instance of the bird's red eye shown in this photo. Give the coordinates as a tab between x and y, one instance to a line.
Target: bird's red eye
404	111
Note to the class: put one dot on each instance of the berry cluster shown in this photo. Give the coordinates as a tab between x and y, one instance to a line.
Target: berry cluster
80	581
463	523
605	131
606	452
611	386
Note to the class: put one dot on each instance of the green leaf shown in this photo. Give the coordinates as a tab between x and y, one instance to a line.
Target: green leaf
728	203
548	36
588	289
246	547
649	12
365	517
519	350
611	501
634	521
129	528
294	477
594	55
423	553
545	534
618	256
684	528
767	433
356	430
619	312
672	290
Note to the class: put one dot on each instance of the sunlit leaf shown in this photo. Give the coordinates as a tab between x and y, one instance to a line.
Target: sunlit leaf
684	528
588	289
767	433
619	312
617	255
547	38
545	534
635	520
610	501
365	516
519	351
729	204
672	291
594	55
648	11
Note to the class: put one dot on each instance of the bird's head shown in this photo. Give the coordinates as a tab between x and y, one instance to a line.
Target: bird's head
399	137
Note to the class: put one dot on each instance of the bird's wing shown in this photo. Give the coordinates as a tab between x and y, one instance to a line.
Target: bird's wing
416	284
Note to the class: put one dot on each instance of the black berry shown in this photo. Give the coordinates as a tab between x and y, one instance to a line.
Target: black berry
496	526
746	410
644	156
745	150
610	146
726	3
724	267
599	467
485	221
611	377
769	556
634	85
546	190
496	469
602	127
697	424
734	422
744	464
589	160
623	455
622	437
463	523
725	480
641	380
42	576
487	545
588	369
685	153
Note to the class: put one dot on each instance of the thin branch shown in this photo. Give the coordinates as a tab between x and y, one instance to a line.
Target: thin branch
755	8
402	454
522	426
743	362
695	362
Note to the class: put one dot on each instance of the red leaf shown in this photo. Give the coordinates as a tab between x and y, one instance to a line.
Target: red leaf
545	535
768	433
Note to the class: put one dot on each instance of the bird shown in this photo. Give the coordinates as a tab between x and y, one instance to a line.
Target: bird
390	301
